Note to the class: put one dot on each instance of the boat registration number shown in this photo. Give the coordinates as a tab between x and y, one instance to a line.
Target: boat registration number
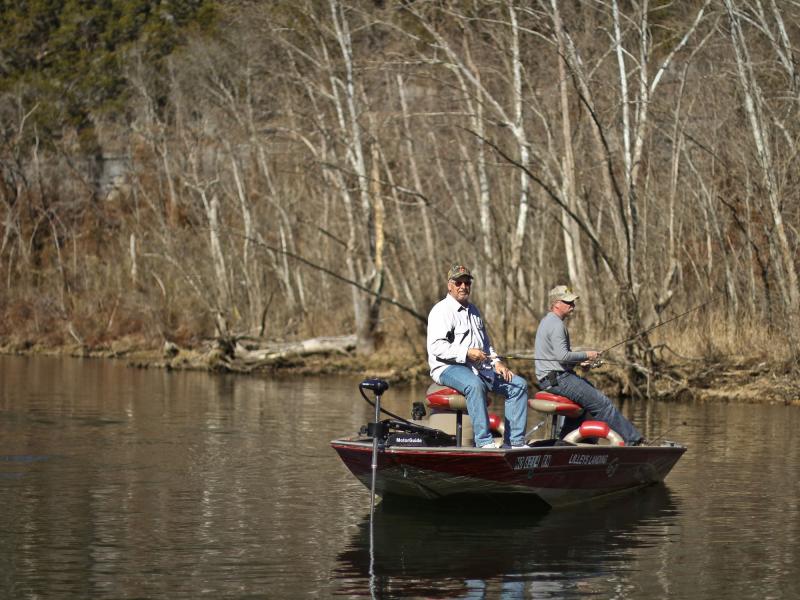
532	462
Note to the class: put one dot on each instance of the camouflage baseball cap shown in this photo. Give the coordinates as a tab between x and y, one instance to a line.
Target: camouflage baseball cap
562	292
458	272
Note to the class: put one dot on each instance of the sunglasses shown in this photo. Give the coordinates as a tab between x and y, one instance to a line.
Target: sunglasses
572	303
461	282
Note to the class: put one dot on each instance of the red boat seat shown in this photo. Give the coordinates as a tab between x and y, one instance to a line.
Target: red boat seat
553	404
594	429
441	397
449	413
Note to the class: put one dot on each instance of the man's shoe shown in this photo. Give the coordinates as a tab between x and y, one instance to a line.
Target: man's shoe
640	442
490	445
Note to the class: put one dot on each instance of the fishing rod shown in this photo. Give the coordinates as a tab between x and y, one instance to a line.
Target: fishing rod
668	431
641	333
594	364
625	341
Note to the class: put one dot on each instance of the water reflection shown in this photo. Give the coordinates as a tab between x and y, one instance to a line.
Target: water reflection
562	554
124	483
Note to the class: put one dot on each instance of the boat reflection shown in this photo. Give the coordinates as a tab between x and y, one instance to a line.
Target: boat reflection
424	552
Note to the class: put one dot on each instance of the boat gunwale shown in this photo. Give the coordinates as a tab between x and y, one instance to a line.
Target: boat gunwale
366	443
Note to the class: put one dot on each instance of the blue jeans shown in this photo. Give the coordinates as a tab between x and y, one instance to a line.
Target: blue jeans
594	403
475	389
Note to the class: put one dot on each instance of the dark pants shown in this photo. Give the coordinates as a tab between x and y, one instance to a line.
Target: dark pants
596	406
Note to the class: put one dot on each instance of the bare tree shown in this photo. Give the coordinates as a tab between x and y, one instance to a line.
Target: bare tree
758	115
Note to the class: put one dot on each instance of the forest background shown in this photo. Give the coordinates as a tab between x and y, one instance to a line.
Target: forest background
227	180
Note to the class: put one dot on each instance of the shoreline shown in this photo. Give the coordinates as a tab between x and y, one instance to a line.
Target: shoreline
740	380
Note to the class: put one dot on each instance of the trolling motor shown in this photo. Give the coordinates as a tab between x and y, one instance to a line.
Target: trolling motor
387	432
378	386
376	429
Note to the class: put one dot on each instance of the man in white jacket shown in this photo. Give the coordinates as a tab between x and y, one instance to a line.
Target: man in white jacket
461	357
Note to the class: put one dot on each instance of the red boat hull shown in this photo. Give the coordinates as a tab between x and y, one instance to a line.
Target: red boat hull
544	476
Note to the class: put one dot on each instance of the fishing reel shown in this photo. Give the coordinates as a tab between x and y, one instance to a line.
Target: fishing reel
588	364
592	364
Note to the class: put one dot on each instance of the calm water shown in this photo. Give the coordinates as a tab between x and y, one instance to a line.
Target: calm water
123	483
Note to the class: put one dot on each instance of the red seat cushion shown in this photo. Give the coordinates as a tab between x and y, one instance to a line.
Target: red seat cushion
594	429
554	404
441	397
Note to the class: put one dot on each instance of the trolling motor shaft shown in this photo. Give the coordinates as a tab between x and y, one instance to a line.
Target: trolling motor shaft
378	431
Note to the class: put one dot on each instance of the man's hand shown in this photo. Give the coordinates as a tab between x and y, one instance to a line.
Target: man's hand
503	371
592	357
476	355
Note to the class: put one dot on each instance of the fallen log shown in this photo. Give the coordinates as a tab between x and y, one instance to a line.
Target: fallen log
253	354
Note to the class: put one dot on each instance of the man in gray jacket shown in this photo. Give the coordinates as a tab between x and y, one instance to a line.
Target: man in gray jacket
555	369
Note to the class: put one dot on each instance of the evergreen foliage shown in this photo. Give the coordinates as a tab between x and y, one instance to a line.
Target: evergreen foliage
64	57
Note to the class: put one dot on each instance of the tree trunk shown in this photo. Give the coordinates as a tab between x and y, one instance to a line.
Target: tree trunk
753	105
